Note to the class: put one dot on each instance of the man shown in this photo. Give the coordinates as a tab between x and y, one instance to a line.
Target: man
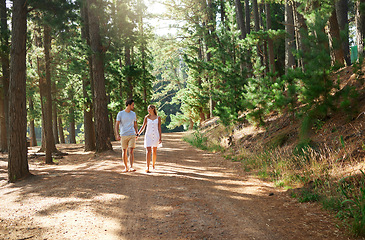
126	131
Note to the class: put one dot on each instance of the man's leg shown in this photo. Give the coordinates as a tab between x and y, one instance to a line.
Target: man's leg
131	146
125	160
131	159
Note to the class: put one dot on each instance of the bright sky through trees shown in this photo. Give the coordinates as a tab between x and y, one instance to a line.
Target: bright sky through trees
161	26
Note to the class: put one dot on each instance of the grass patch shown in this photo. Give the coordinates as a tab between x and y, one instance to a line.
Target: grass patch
200	140
308	196
354	204
197	139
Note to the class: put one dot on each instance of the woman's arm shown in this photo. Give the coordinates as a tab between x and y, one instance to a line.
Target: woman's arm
143	126
159	129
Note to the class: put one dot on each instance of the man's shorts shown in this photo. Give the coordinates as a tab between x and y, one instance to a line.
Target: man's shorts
128	141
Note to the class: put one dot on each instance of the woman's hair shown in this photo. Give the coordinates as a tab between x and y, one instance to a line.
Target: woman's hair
154	108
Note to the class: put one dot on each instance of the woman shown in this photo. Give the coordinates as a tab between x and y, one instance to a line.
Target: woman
152	137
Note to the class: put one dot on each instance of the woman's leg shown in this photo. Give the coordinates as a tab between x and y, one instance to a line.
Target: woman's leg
154	157
148	158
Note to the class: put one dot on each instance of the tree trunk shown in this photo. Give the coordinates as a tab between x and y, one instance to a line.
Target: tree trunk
33	138
223	14
210	43
144	60
100	102
255	10
40	71
54	114
289	39
261	10
240	19
263	47
48	131
360	27
300	26
55	124
4	91
128	63
43	138
60	130
342	9
270	42
89	127
248	17
111	127
199	80
3	128
18	163
72	136
337	55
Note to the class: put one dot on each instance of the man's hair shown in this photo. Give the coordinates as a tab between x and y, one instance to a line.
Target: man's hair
129	102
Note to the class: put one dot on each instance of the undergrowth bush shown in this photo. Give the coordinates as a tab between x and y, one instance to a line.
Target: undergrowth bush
197	139
354	205
200	140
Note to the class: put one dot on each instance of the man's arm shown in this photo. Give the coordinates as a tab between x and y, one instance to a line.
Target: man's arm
135	127
116	130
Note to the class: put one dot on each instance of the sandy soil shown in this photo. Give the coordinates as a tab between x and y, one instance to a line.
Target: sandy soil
192	194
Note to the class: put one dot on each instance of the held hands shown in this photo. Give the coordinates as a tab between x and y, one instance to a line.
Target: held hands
117	137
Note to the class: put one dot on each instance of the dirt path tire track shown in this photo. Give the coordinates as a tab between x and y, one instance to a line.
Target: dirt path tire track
191	195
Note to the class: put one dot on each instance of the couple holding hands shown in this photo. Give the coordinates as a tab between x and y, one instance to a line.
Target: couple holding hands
126	130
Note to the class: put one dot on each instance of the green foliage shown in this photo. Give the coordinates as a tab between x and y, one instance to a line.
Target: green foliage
258	99
170	74
354	206
315	92
342	141
348	104
197	139
308	196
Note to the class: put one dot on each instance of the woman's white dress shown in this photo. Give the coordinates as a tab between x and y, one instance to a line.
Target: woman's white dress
152	135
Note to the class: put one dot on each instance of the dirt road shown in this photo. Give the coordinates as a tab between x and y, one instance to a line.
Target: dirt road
192	194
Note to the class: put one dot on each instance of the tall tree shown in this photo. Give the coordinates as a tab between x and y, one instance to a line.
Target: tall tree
248	16
33	139
47	87
60	130
54	114
18	162
256	18
100	101
360	26
128	64
338	57
299	22
289	39
72	135
240	19
4	90
342	9
89	127
270	42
